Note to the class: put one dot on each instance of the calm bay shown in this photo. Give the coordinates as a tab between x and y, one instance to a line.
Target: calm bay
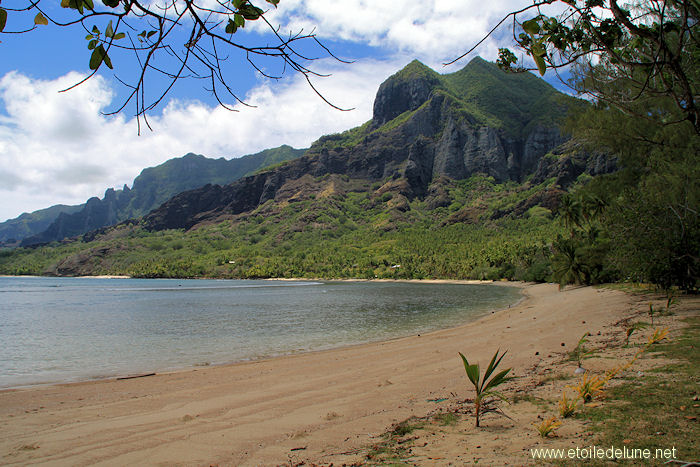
71	329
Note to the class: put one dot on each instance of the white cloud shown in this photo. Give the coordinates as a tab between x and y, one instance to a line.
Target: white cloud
433	31
58	148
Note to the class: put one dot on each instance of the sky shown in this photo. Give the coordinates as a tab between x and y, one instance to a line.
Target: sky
61	148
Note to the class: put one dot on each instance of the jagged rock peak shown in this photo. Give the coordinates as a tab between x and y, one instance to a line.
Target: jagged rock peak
426	127
151	188
404	91
494	98
189	156
415	69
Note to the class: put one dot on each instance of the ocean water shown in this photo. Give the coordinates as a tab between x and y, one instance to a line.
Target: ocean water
71	329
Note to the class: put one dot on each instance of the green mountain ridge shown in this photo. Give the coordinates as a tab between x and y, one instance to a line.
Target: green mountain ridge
438	182
31	223
158	184
152	187
333	226
480	93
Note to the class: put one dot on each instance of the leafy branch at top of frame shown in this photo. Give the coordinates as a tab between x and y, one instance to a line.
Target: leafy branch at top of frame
652	45
153	32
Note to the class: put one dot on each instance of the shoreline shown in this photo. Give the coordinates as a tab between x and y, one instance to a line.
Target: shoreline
281	279
69	277
311	404
282	354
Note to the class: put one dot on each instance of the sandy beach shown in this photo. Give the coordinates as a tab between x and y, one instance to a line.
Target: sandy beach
319	408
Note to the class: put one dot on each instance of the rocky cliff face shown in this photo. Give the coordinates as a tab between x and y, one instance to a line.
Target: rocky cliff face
424	127
95	214
569	161
14	230
154	186
406	91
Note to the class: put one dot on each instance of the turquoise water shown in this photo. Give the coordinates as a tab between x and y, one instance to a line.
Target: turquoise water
71	329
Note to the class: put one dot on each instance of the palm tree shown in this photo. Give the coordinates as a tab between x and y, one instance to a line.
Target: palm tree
486	395
570	212
568	267
592	206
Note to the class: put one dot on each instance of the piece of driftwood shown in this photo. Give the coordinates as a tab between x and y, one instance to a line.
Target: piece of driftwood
136	376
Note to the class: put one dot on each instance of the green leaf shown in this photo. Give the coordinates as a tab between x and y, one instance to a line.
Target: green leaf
76	4
469	369
231	27
239	20
492	366
109	32
150	33
108	61
3	19
41	19
97	57
531	27
273	2
92	44
537	48
89	4
583	339
89	37
472	372
464	360
500	378
95	30
238	3
119	35
539	61
111	3
250	12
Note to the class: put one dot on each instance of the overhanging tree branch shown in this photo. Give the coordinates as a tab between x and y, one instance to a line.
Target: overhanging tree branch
652	44
162	50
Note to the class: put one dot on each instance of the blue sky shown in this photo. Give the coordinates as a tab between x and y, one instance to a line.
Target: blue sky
60	147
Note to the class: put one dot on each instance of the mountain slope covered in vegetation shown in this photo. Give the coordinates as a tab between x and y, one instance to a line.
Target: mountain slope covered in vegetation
424	126
31	223
455	176
150	189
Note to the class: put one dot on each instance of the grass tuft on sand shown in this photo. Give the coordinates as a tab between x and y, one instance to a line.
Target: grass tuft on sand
659	408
